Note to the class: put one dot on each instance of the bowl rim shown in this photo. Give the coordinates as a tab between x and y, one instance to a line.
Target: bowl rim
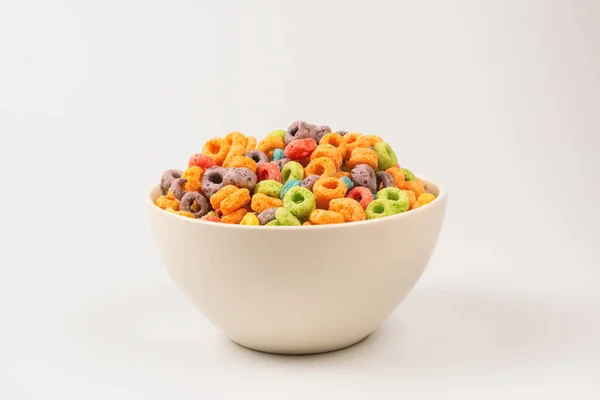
441	197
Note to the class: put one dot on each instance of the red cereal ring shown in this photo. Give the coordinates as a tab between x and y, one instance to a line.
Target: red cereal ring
202	160
299	149
362	195
268	171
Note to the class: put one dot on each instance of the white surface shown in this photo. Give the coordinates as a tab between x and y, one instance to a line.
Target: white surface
499	100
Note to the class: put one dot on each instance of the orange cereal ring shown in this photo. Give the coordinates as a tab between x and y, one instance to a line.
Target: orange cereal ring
167	201
350	209
322	166
416	186
415	204
216	149
234	151
241	162
251	143
270	143
327	189
236	138
398	175
337	141
235	217
362	155
354	140
341	174
236	200
182	213
260	202
322	217
193	175
373	139
328	151
411	195
217	198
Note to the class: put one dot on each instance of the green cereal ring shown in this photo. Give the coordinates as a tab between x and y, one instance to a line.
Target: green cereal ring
386	158
408	175
278	133
398	199
285	217
300	201
292	170
273	223
379	208
269	187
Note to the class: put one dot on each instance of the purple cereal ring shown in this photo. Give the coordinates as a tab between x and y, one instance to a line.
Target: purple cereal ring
281	162
167	178
212	180
188	200
384	178
267	215
240	177
300	130
258	156
309	182
322	131
177	188
363	175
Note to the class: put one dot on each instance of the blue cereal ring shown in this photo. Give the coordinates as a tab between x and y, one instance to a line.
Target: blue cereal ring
288	185
348	182
278	154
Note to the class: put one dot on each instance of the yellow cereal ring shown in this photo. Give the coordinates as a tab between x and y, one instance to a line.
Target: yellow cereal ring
327	189
350	209
354	140
361	155
328	151
234	151
216	149
322	217
241	162
182	213
217	198
236	200
238	138
270	143
337	141
166	201
398	175
425	198
235	217
250	219
322	166
260	202
250	144
193	175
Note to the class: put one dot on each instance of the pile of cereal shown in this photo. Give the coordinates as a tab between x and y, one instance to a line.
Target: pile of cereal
307	175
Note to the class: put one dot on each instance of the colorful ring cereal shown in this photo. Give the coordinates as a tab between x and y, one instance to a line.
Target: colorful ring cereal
281	162
250	144
321	131
300	130
354	140
269	187
201	160
386	157
426	198
250	219
363	175
341	174
280	133
398	176
266	171
273	223
285	217
260	202
178	188
309	182
182	213
300	201
167	178
321	166
216	149
270	143
327	189
327	151
348	182
342	133
292	170
379	208
241	162
211	218
278	154
258	156
218	197
235	217
168	201
240	177
267	215
374	139
288	185
361	194
337	141
398	198
195	203
193	175
408	175
236	200
416	185
300	149
212	180
384	180
234	151
323	217
236	138
361	155
350	209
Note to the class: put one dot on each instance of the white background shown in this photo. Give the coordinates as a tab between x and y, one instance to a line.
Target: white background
498	100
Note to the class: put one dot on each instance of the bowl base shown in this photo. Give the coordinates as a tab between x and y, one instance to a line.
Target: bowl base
303	351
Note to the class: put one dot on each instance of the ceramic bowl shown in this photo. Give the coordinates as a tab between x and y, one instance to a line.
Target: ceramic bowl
298	290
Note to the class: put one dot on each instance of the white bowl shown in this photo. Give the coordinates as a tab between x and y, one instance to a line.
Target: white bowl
298	290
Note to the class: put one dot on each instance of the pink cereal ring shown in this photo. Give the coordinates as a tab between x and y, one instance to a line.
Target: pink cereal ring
362	195
202	160
300	149
211	218
268	171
